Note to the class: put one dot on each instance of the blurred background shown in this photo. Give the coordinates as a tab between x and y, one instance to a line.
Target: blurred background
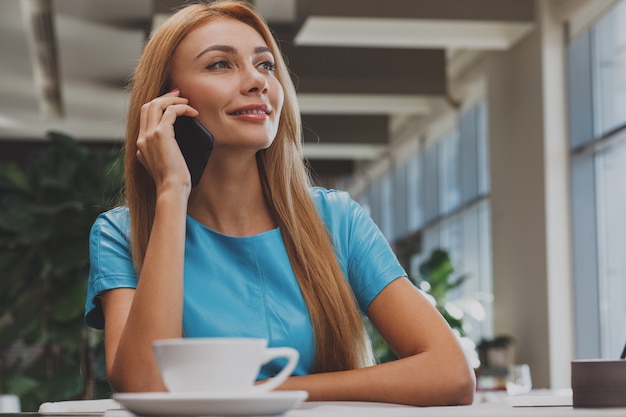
491	130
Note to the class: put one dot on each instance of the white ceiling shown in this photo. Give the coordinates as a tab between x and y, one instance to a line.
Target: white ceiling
99	41
410	33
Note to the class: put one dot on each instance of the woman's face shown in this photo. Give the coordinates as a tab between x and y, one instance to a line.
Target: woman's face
226	70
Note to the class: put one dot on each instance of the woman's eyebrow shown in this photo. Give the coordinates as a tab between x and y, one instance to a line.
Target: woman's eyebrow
222	48
262	49
231	50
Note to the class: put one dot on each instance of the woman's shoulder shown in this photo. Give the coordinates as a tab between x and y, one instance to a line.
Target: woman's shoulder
335	207
117	214
330	198
113	221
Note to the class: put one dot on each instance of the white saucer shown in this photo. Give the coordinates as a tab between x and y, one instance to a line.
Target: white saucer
210	404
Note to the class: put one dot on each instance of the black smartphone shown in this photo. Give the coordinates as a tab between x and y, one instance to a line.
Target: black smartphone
196	143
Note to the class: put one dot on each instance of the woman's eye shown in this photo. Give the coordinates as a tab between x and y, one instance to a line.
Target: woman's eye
218	65
267	65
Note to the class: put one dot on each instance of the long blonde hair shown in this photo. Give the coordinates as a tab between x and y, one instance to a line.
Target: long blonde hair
341	339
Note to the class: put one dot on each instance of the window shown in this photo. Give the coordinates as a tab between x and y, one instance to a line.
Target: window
608	65
597	100
442	195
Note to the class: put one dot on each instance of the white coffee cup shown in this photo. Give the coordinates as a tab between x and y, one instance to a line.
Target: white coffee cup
219	364
9	403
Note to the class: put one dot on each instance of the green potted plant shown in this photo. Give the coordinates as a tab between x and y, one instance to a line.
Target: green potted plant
47	206
437	279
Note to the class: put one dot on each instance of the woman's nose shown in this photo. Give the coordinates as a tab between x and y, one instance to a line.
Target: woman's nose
254	82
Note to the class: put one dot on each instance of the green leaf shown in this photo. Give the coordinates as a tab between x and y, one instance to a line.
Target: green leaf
458	281
438	271
437	268
12	177
21	385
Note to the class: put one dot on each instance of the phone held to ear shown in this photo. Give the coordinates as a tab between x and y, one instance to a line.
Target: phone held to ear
195	143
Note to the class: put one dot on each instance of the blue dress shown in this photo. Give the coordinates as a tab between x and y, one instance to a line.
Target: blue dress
245	286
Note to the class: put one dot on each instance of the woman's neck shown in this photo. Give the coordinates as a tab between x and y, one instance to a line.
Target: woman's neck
231	201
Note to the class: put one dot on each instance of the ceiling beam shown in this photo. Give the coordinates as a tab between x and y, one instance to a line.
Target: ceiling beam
366	104
345	129
341	151
366	70
442	24
344	137
410	33
330	168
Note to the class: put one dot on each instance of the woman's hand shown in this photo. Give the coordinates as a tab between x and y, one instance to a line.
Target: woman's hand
157	149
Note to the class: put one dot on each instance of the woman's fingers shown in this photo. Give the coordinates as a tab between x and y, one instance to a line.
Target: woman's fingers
153	107
156	148
161	113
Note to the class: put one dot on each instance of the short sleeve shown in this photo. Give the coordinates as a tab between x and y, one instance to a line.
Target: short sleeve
110	261
362	250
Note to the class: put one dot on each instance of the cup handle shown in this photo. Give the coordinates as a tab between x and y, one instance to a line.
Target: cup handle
292	356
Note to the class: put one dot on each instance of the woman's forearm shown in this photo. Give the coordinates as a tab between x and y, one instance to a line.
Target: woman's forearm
157	304
425	379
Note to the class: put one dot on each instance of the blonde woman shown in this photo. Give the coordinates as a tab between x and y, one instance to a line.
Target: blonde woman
253	250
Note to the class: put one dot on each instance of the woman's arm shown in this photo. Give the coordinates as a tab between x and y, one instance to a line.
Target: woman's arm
135	318
432	369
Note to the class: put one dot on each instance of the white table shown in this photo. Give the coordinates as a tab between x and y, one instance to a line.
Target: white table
480	410
536	404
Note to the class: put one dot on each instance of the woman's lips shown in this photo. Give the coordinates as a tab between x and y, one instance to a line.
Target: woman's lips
252	110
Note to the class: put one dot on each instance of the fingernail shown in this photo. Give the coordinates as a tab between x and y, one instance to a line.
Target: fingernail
175	90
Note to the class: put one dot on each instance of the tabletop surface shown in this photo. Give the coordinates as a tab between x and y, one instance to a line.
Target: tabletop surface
543	405
313	409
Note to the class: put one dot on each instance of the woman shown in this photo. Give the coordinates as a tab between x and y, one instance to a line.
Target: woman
252	250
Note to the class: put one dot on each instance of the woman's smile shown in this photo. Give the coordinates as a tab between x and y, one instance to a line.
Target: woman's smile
252	112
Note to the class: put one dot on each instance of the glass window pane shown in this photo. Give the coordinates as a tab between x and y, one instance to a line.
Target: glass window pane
483	149
469	155
485	274
611	171
386	206
399	202
373	196
610	69
451	240
430	242
586	311
431	184
450	233
580	102
449	174
477	288
415	188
